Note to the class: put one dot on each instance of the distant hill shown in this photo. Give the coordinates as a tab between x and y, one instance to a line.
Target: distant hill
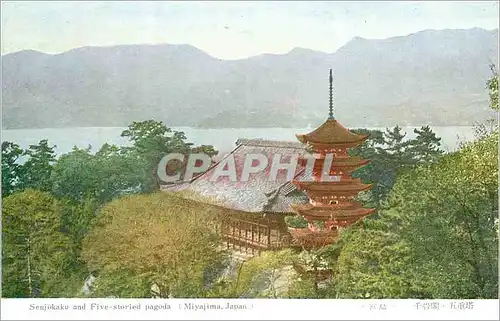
430	77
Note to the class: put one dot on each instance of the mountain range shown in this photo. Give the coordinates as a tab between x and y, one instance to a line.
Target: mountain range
434	77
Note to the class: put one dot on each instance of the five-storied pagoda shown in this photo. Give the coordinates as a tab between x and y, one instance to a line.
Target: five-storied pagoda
331	193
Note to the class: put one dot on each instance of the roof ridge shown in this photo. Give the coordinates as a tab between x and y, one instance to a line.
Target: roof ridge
215	164
268	143
331	132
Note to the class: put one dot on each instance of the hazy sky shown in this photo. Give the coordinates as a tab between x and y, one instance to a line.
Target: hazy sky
228	30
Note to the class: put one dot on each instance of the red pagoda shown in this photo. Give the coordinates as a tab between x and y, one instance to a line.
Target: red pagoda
331	201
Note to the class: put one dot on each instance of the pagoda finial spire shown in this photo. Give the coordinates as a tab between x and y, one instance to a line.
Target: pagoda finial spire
330	114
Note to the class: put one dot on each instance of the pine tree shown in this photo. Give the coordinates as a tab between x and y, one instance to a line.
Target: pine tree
35	251
426	147
11	169
38	167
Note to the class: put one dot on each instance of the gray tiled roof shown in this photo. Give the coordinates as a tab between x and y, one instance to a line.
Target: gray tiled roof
259	193
270	143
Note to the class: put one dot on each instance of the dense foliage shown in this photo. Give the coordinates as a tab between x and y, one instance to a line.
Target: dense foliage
157	239
75	186
37	257
390	153
436	236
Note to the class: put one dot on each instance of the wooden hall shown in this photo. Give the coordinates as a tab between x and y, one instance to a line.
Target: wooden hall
323	194
259	205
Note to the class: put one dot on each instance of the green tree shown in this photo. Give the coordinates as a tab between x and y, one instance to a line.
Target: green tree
302	288
391	154
455	225
120	170
425	148
492	86
75	176
151	141
267	275
11	169
491	125
436	236
205	149
37	169
76	220
396	144
163	241
376	171
80	175
375	263
35	253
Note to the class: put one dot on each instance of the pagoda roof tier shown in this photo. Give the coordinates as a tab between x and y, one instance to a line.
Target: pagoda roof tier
347	206
348	165
322	148
308	238
333	194
351	181
327	196
325	213
330	133
353	161
343	187
352	205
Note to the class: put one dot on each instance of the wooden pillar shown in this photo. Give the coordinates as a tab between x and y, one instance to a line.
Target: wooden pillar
268	230
245	225
239	235
252	230
249	226
224	233
242	245
233	234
